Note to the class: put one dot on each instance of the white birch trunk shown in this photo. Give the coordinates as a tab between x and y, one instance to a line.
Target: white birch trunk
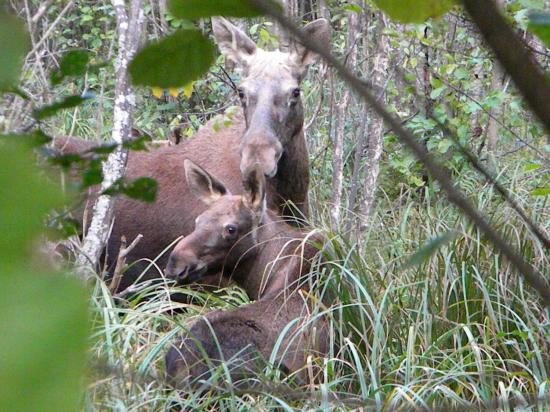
492	126
361	135
376	133
341	117
128	32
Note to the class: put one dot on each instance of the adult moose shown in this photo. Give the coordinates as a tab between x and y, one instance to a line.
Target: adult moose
269	132
267	257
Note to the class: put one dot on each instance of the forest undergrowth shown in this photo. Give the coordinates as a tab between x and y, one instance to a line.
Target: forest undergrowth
412	327
424	312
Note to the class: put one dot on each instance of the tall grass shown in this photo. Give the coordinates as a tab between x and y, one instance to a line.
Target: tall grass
458	330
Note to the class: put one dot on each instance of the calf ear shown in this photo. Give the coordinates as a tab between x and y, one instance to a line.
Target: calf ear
254	188
233	42
203	185
319	32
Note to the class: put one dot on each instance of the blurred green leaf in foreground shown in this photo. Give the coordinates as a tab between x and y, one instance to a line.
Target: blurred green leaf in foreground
43	316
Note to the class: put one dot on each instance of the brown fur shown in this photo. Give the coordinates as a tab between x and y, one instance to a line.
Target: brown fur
174	211
269	259
270	134
245	339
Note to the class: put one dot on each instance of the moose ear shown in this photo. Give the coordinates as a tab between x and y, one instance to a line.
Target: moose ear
254	188
203	185
233	42
319	32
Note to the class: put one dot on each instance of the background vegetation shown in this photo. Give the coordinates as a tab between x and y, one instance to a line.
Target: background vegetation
426	314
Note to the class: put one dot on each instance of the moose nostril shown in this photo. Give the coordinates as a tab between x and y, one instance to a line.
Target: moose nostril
190	268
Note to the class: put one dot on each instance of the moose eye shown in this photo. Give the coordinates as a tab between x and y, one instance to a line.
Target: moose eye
240	92
296	92
231	230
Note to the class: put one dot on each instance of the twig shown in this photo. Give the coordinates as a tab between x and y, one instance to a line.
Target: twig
121	261
317	110
233	85
51	28
41	10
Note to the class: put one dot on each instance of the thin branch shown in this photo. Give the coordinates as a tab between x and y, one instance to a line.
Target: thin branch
51	28
41	10
322	75
121	261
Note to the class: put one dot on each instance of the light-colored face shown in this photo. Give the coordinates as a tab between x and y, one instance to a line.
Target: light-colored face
269	92
224	232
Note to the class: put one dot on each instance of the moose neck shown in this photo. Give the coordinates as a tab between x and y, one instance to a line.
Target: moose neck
275	264
292	180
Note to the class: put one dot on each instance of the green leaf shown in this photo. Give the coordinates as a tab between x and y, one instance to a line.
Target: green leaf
461	73
353	7
143	188
437	92
540	191
428	249
26	198
530	167
415	11
44	354
14	42
103	149
539	23
195	9
92	174
173	61
66	103
138	143
443	145
74	63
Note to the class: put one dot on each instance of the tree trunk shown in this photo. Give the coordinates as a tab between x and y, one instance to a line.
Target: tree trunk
492	126
162	17
128	31
323	10
290	8
376	134
341	117
361	136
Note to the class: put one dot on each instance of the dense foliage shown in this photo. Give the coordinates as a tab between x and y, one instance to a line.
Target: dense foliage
426	312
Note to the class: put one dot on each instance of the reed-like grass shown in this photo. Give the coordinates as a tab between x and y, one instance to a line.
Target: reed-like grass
458	330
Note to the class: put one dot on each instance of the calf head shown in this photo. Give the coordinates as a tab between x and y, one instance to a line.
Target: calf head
269	91
225	232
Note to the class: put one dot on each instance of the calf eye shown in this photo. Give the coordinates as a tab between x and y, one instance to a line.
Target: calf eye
231	230
296	92
240	92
